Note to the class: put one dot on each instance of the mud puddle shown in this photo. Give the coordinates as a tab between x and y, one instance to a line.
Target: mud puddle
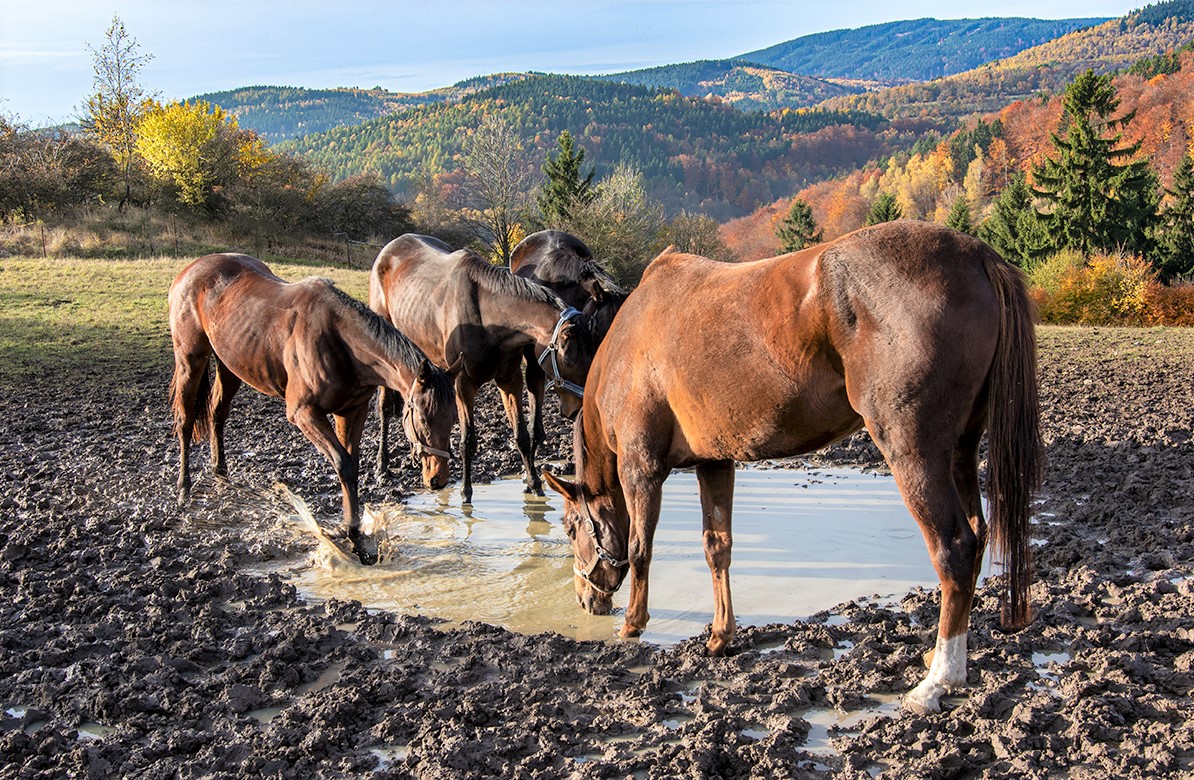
803	542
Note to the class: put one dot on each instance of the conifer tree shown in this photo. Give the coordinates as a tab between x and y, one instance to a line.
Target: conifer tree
1175	229
959	216
1099	197
884	209
798	229
1014	229
564	187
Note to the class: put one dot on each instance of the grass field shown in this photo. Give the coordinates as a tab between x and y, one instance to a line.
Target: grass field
70	315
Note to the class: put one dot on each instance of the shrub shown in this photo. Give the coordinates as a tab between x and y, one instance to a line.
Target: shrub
1173	305
1109	289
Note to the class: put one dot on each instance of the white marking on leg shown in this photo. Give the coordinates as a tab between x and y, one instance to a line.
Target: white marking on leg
947	671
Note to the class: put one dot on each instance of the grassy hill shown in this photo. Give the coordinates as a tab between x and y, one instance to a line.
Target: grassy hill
742	84
1047	68
914	50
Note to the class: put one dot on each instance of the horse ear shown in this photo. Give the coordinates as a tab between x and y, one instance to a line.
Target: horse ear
426	371
592	285
562	486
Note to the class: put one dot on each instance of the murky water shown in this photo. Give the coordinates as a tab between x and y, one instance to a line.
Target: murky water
803	542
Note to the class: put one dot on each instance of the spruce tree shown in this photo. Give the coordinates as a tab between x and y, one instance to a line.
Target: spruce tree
884	209
798	229
1100	198
1014	229
1174	255
959	216
564	187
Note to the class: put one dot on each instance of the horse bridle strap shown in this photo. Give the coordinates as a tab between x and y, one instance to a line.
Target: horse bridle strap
419	448
599	552
554	347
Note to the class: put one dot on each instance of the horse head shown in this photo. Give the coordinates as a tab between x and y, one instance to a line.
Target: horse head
567	359
598	544
427	419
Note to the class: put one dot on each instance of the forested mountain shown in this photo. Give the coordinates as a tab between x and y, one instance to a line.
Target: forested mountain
695	154
744	85
1105	48
916	50
279	113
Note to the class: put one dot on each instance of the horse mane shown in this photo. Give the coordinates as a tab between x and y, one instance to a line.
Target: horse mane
566	258
397	347
499	281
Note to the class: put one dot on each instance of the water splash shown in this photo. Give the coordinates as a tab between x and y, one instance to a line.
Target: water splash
333	552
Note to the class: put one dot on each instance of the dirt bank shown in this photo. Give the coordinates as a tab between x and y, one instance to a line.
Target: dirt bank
133	645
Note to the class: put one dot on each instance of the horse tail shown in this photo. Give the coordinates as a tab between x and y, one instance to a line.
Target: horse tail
1015	459
200	411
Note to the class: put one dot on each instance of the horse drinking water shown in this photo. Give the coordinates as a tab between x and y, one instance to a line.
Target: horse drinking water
310	344
476	319
920	333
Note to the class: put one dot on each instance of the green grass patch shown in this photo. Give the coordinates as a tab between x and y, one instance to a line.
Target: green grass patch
74	317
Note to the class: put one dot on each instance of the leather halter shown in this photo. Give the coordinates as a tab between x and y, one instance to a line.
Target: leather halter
599	552
553	348
418	447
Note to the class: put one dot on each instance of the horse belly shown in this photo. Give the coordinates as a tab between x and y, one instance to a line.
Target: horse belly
764	415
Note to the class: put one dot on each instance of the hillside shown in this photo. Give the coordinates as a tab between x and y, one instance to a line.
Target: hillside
1105	48
695	154
915	50
742	84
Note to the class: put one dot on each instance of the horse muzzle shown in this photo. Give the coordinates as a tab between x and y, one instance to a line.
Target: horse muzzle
592	600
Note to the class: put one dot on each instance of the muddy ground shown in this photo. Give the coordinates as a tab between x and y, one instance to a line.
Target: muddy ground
132	643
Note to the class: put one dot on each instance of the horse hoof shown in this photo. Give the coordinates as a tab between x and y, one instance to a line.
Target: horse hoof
924	699
629	632
717	647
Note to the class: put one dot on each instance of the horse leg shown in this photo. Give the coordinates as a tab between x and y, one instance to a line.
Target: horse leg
536	390
716	481
383	444
926	481
466	396
189	390
510	386
223	389
643	496
315	426
389	406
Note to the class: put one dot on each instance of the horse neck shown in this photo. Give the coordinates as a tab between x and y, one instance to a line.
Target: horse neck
390	364
536	320
597	467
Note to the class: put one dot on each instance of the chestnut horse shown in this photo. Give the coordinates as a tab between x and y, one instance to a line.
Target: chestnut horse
476	319
308	343
562	263
920	333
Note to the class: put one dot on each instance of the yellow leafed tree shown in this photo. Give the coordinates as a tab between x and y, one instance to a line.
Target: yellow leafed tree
198	148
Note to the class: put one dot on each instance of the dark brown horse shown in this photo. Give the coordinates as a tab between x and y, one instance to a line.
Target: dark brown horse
922	334
308	343
476	320
562	263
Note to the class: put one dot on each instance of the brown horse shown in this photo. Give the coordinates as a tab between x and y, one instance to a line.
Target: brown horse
476	319
308	343
562	263
920	333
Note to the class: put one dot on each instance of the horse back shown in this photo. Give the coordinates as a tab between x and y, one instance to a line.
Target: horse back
261	327
784	355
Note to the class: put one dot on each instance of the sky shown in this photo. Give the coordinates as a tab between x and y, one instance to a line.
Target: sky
200	46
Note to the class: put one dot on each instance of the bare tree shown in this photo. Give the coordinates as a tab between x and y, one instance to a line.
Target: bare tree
500	183
119	101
